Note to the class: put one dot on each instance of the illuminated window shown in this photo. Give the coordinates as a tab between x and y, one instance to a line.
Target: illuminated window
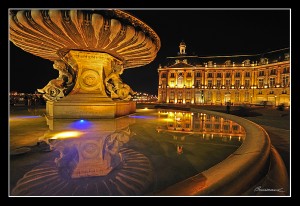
228	83
218	95
285	70
209	95
188	95
272	82
237	96
235	127
237	83
172	95
261	73
246	96
180	81
285	80
218	83
210	75
247	83
172	75
209	83
260	83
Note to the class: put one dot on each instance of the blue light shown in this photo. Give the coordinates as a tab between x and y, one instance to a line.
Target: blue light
81	124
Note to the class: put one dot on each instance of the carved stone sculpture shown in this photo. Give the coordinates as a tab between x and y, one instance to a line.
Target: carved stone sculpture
114	84
57	88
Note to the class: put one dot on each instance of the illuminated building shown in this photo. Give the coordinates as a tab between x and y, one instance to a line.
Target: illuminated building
238	79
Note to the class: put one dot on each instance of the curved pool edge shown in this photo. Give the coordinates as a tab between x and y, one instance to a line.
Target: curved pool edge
234	175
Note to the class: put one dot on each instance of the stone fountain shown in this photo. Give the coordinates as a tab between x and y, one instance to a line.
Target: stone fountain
90	49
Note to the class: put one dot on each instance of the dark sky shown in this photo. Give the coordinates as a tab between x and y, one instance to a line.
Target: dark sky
206	33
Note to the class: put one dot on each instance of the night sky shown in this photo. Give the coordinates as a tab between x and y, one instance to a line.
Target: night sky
205	32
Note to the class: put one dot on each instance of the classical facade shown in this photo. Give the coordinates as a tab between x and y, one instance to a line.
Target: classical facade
240	79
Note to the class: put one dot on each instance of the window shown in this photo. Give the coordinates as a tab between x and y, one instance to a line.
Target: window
247	83
260	83
238	74
210	75
285	80
189	74
259	92
219	75
164	83
180	81
228	83
209	83
247	74
237	96
179	95
272	82
198	74
217	126
198	83
172	84
226	127
246	96
218	83
164	75
187	125
208	98
228	75
237	83
271	92
273	72
284	92
235	127
261	73
188	95
218	95
172	75
172	95
207	126
188	83
285	70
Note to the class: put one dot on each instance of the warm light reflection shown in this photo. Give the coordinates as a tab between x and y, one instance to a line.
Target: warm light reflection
67	134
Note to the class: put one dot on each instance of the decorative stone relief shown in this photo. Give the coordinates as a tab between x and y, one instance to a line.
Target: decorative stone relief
59	87
114	84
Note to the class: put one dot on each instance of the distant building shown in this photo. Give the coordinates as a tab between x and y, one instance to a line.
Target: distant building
238	79
144	97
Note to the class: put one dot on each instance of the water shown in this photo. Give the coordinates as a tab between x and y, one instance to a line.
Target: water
140	154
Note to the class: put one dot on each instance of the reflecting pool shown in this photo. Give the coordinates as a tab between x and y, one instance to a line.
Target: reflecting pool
140	154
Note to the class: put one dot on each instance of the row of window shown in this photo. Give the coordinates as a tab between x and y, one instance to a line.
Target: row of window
271	83
227	74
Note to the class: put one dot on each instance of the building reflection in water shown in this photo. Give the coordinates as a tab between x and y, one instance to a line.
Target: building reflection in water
208	127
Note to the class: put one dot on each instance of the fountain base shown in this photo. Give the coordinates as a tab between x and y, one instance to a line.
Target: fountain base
89	107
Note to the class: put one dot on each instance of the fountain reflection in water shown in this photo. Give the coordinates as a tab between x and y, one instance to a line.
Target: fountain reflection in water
135	155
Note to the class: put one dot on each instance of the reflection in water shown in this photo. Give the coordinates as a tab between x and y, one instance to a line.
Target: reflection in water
132	155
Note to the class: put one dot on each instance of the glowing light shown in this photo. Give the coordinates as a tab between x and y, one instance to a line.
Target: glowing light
145	108
81	124
66	135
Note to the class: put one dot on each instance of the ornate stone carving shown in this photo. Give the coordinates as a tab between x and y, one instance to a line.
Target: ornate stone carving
114	84
51	34
59	87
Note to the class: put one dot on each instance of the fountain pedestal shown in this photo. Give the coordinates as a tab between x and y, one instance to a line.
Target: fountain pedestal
88	98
